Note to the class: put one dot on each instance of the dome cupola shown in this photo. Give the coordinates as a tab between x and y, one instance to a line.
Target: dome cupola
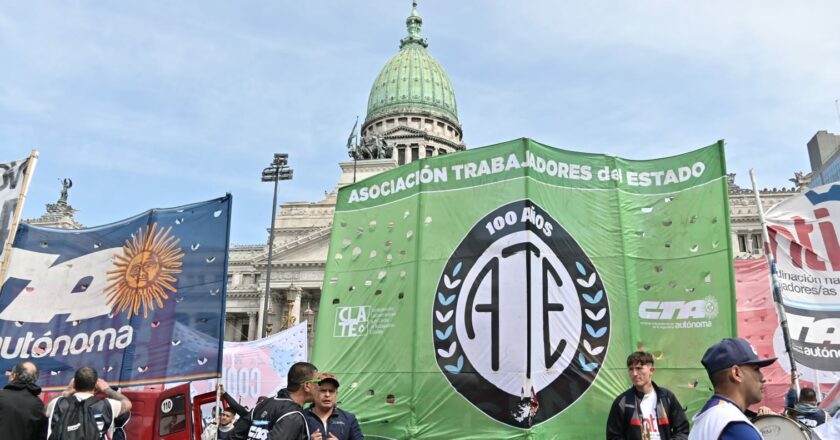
411	108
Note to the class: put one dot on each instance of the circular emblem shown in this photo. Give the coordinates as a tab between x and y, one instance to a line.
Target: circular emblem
710	307
521	318
166	406
144	275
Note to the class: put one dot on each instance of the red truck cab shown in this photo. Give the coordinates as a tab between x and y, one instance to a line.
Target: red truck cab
168	414
164	414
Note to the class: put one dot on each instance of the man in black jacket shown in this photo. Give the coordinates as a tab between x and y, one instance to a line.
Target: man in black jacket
281	417
21	411
646	411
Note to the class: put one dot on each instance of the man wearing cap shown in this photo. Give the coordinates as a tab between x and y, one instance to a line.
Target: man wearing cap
735	371
326	421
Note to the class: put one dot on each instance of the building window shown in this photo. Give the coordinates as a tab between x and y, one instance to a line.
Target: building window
742	242
441	151
175	419
415	153
243	332
756	243
430	151
401	155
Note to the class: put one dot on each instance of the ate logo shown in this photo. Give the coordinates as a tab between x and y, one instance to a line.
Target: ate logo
521	318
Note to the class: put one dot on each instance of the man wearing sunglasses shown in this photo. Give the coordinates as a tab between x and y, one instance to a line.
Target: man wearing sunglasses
734	368
281	417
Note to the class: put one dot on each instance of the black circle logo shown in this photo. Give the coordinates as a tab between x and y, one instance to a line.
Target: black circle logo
521	319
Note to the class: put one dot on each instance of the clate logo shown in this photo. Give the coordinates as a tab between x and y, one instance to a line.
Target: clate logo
351	321
521	319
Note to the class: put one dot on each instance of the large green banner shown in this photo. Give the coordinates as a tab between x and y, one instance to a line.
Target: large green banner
496	293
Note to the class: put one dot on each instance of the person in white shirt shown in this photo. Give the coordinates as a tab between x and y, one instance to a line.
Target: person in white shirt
223	424
646	411
85	385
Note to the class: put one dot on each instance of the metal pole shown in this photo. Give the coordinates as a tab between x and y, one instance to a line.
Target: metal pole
777	292
264	314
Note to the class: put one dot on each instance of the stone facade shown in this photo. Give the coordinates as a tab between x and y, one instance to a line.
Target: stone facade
301	242
743	215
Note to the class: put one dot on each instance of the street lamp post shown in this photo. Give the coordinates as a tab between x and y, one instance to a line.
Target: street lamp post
278	170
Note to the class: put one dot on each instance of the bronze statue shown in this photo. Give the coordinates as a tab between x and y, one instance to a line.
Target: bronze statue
65	185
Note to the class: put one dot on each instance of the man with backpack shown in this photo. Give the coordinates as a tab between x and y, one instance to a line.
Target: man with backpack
78	415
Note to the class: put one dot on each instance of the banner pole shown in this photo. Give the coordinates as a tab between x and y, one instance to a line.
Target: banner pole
218	406
777	293
7	250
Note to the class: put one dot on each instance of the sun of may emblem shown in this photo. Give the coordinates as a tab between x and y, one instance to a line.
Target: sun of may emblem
144	272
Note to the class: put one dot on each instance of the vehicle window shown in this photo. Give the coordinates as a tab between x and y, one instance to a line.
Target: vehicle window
173	415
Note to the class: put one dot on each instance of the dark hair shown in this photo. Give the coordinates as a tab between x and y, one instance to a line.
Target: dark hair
25	372
229	411
807	395
639	357
85	379
719	378
298	374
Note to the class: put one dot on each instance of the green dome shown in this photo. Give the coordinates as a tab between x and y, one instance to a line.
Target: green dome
412	80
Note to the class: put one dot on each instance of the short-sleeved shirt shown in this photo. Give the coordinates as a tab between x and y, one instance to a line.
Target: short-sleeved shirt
116	407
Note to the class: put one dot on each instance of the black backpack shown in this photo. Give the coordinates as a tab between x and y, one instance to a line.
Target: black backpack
88	419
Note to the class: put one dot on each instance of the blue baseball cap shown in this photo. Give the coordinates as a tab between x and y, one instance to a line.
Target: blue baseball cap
732	351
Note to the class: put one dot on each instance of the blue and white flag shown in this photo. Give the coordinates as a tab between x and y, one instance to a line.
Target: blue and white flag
117	297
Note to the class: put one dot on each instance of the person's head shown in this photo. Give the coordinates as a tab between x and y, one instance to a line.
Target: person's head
227	417
85	379
301	381
734	368
640	369
327	392
808	395
24	372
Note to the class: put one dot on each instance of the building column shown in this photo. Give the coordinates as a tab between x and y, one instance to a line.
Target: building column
253	332
293	298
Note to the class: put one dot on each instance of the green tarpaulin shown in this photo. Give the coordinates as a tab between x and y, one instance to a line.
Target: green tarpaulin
496	293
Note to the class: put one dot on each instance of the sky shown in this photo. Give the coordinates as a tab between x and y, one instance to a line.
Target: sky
158	104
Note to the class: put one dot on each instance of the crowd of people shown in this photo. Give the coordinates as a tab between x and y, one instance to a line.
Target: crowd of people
307	408
78	414
649	412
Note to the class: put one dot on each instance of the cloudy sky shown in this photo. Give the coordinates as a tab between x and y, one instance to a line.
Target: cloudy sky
157	104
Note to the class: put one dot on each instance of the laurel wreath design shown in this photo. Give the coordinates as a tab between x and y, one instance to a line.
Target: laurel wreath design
452	285
588	281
